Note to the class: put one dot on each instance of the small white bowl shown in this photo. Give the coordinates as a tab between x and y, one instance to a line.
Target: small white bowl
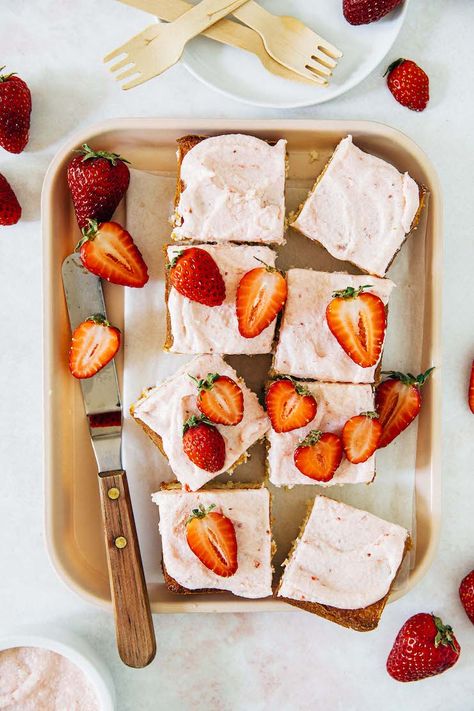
74	649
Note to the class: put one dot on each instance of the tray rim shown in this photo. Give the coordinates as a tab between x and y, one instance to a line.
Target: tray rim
210	125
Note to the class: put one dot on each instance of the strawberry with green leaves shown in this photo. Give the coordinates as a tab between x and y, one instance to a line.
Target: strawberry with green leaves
409	84
290	405
195	274
398	402
109	251
211	537
361	436
357	320
220	399
203	444
15	112
319	455
424	647
97	180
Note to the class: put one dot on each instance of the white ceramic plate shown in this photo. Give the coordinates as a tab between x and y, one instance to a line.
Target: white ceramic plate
240	75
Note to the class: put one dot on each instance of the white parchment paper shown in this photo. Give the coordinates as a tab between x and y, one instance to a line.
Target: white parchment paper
391	496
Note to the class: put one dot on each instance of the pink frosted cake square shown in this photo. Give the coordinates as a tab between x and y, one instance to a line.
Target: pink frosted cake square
361	209
306	347
249	512
336	403
197	328
163	410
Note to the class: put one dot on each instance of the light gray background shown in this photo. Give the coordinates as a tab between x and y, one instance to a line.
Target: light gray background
250	661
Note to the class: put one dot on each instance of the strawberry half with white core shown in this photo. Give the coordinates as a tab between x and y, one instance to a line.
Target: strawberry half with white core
398	402
361	436
290	405
194	274
109	251
319	455
220	399
94	343
357	320
203	444
211	537
261	295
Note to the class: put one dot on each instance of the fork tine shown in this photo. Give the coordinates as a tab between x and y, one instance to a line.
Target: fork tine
115	53
141	79
322	68
314	74
119	65
127	73
324	59
329	49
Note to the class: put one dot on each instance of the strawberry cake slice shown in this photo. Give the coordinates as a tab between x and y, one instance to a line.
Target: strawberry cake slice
333	326
203	419
230	188
216	540
361	209
201	294
343	564
297	411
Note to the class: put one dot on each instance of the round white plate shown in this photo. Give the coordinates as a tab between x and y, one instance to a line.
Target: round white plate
240	74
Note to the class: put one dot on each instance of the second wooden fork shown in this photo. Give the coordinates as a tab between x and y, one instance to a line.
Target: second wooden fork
160	46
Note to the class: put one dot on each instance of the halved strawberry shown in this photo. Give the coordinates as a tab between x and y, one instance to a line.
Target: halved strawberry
203	444
319	455
290	405
398	402
357	319
261	295
220	399
211	537
109	251
94	343
471	389
195	274
361	436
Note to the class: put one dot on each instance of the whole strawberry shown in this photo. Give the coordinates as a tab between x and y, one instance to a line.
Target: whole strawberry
466	593
203	444
10	209
98	181
194	274
15	112
424	647
409	84
361	12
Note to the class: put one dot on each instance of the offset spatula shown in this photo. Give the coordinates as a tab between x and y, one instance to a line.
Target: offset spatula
133	622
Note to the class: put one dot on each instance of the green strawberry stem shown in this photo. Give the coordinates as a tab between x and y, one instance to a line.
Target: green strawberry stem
174	261
200	512
311	438
89	153
350	293
373	415
408	378
6	77
267	266
393	66
444	634
194	421
300	388
205	383
89	233
100	319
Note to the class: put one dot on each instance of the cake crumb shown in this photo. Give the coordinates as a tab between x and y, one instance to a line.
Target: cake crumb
313	156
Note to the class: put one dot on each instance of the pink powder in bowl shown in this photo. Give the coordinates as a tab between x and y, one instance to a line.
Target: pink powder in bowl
36	679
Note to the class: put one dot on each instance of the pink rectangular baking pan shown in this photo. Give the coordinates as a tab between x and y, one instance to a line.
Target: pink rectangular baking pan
73	523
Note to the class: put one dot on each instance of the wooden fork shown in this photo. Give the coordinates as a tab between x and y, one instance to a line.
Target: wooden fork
225	31
160	46
291	43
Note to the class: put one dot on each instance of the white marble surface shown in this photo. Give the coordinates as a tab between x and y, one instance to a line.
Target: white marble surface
252	661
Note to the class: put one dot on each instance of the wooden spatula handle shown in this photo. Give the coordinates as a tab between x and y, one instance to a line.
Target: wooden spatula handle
133	621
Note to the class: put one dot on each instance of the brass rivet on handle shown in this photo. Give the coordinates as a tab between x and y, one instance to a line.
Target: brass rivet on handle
120	542
113	493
